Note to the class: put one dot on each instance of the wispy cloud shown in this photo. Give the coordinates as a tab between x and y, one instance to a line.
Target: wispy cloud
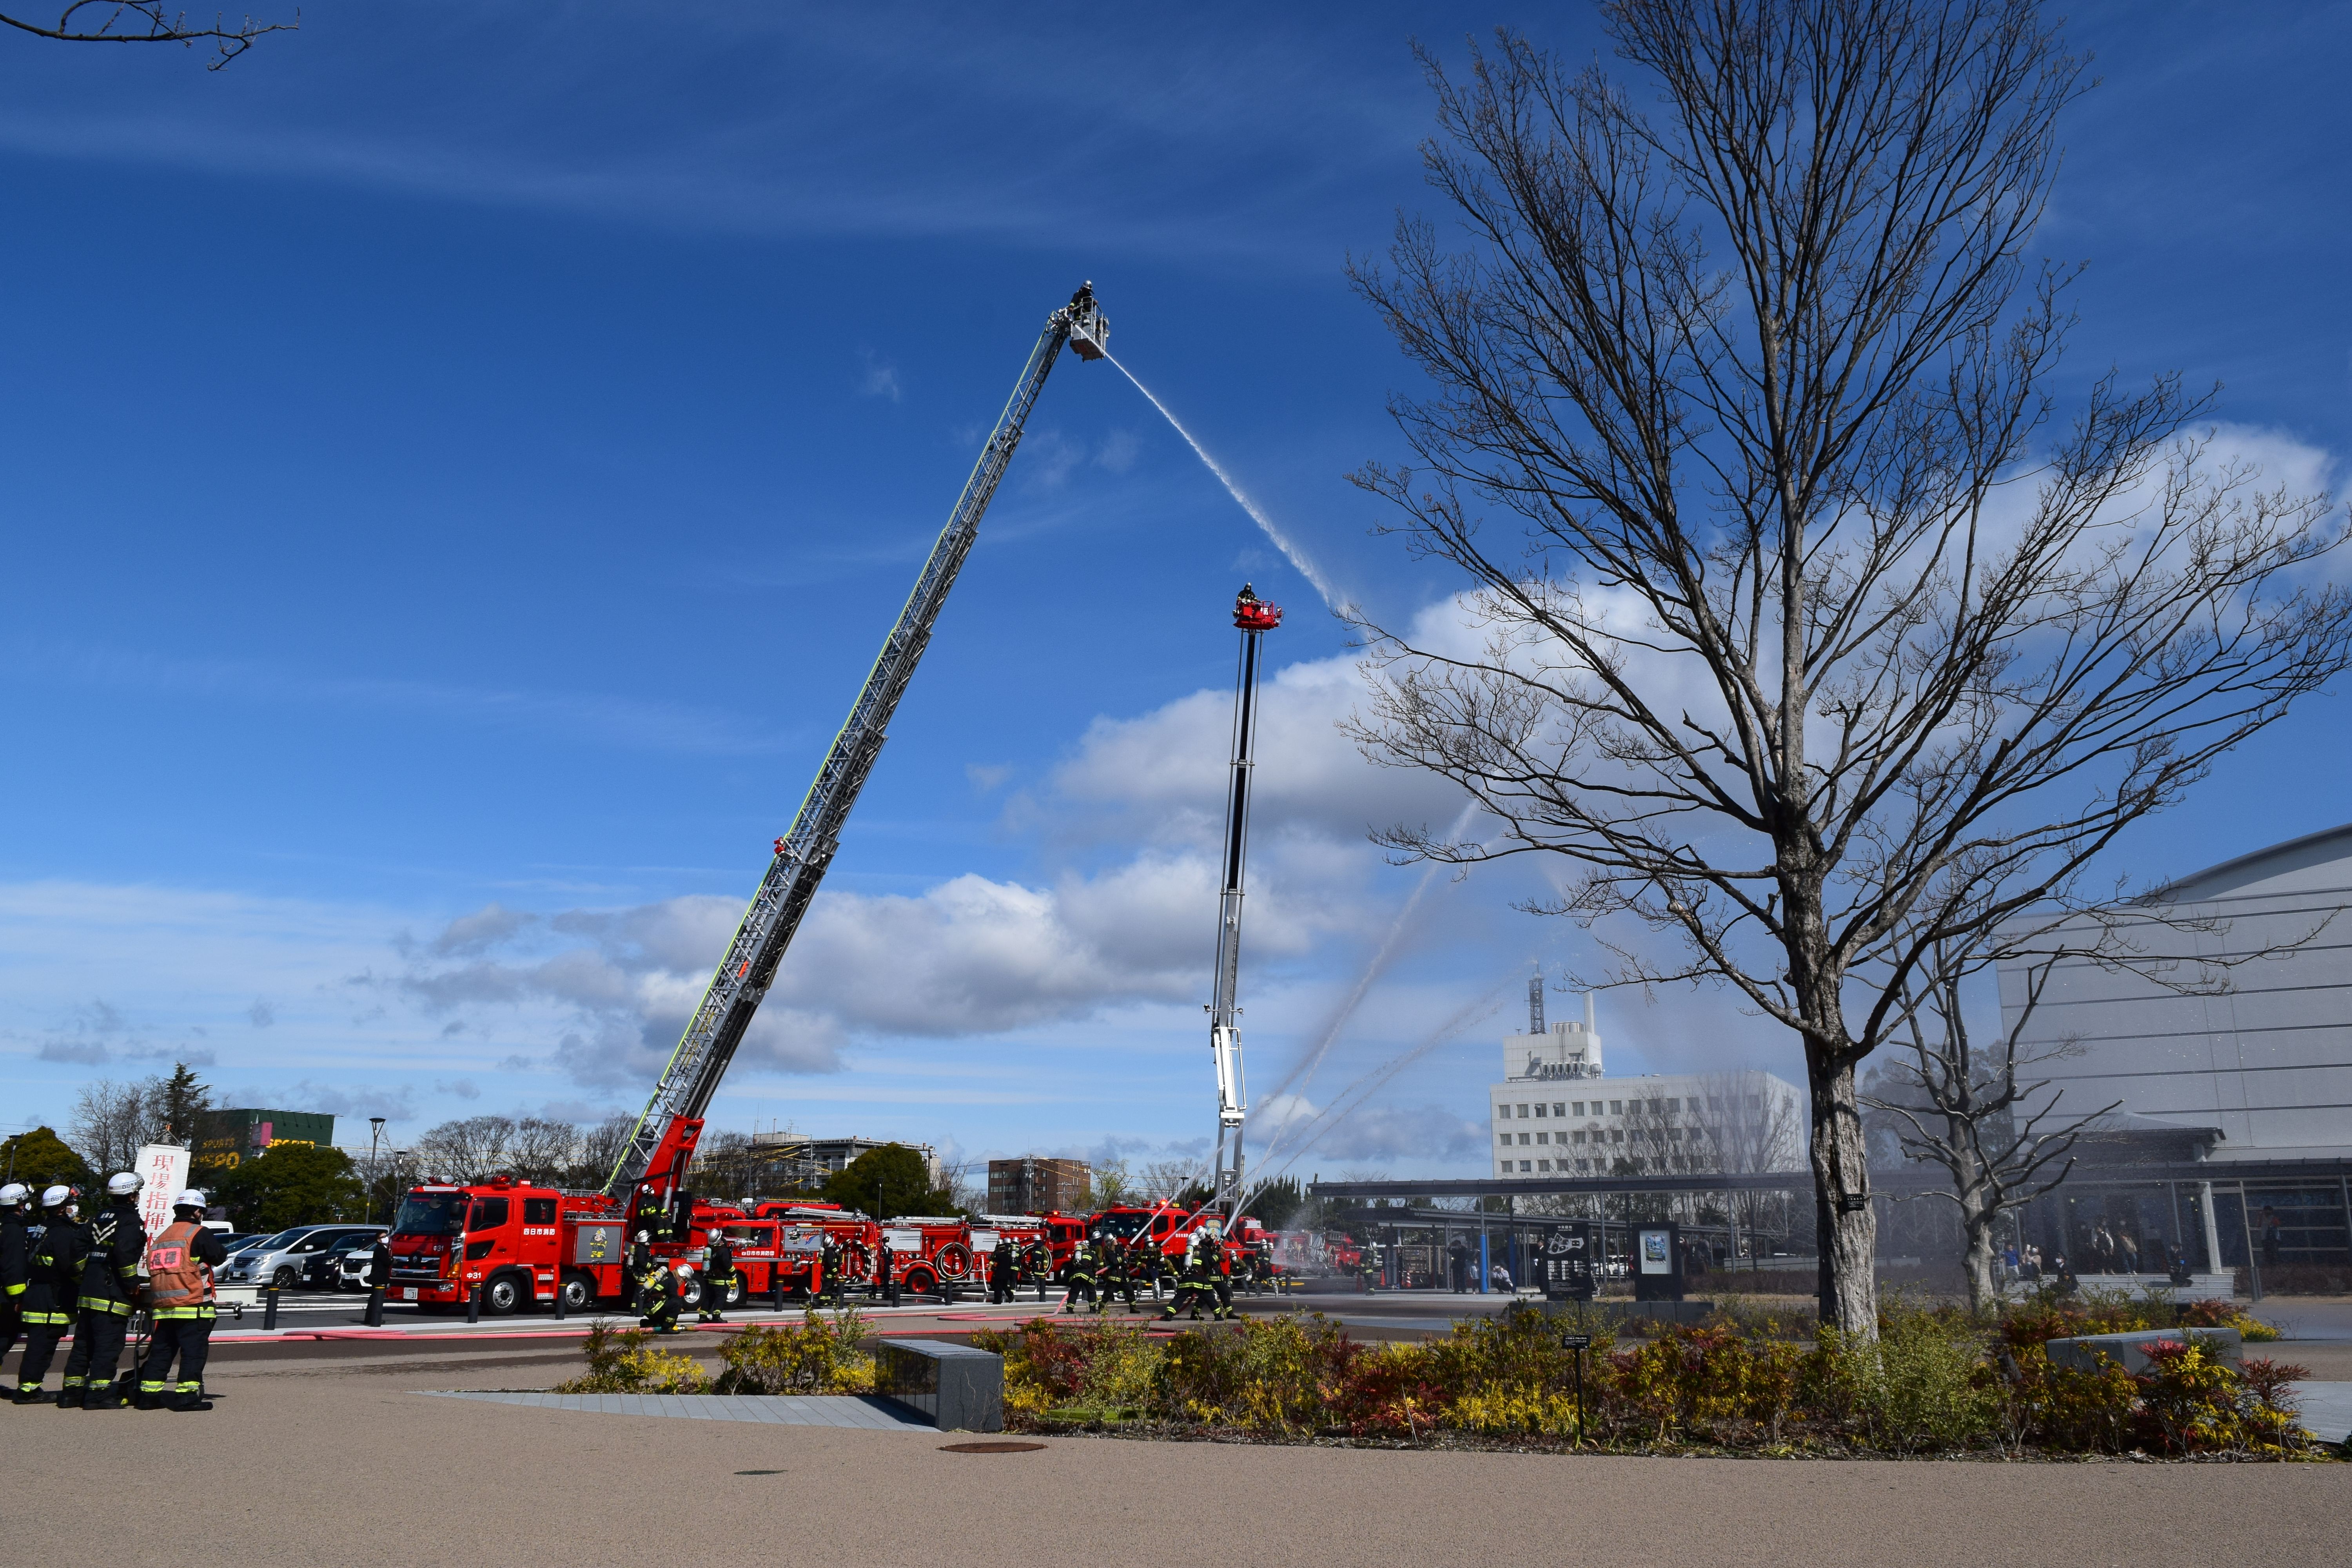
628	722
879	378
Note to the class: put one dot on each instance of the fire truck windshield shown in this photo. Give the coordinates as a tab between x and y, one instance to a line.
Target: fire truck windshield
431	1214
1125	1227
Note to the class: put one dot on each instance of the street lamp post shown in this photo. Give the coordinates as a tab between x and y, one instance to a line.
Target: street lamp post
375	1162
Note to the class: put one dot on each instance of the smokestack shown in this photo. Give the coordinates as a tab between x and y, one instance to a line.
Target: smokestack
1590	1027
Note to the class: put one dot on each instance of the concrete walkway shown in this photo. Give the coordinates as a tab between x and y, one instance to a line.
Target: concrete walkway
874	1415
309	1459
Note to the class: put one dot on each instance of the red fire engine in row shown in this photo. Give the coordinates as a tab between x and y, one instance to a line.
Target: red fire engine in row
519	1243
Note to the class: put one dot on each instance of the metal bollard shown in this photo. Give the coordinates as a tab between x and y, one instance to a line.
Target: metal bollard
374	1319
474	1305
559	1295
775	1290
270	1306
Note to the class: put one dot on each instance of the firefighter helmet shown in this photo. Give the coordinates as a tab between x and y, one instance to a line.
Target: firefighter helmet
123	1183
56	1197
12	1194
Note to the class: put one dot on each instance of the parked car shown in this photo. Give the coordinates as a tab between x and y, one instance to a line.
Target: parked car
324	1270
278	1259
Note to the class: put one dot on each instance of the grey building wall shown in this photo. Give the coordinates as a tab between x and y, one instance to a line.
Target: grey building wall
2270	1062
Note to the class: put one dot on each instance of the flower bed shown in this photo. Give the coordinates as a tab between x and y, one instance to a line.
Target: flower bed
1934	1382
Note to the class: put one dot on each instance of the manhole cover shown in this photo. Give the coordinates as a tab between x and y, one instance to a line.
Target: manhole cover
990	1447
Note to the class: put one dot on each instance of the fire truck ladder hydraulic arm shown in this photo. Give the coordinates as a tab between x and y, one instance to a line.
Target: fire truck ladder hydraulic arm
664	1136
1254	618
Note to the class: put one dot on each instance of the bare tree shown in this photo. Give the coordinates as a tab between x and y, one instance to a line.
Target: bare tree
148	22
1171	1178
1977	1112
469	1149
1107	1183
113	1120
1816	643
600	1151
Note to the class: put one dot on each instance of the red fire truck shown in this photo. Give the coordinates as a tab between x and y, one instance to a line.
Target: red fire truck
513	1240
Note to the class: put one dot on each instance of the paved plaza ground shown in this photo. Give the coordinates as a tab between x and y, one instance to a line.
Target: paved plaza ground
328	1452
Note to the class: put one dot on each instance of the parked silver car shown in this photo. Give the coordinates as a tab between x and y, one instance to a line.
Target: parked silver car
278	1259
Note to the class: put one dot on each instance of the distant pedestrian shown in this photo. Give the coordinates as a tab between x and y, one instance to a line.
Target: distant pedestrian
2128	1245
2273	1236
2102	1249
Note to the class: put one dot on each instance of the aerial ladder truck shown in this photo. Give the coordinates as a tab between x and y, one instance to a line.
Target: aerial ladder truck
1254	617
450	1255
653	1164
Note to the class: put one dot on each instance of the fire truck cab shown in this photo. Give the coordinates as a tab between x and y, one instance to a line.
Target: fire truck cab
517	1243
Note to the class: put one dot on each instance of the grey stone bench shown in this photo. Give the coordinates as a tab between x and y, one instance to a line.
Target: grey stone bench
2130	1350
959	1388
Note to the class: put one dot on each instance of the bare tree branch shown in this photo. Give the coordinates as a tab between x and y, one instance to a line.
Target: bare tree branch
149	22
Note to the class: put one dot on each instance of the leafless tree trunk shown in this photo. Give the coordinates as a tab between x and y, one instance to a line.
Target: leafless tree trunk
146	22
1816	644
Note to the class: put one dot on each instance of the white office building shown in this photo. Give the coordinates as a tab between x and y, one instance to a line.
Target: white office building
2268	1060
1556	1113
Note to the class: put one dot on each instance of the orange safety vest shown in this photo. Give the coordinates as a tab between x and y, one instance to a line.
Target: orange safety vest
176	1276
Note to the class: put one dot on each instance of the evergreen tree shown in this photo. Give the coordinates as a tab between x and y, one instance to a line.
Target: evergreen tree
886	1181
42	1158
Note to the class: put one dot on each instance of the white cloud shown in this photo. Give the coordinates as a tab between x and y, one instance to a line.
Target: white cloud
879	378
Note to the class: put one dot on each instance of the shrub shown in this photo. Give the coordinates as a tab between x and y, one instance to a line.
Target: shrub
2219	1314
626	1362
1924	1384
818	1355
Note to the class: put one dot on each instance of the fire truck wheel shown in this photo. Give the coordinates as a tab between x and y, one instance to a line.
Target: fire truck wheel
502	1295
690	1292
579	1295
735	1290
920	1282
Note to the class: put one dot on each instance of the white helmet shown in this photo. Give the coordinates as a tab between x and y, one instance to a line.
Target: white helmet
56	1197
123	1183
191	1199
12	1194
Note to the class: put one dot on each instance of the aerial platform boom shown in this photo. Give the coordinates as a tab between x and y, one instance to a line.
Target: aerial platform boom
657	1150
1254	618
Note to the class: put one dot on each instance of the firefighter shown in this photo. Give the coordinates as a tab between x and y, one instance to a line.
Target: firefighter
1082	1276
16	1257
1040	1264
112	1251
1000	1268
1189	1288
1221	1277
180	1264
657	1298
717	1274
829	1272
1117	1278
884	1261
52	1267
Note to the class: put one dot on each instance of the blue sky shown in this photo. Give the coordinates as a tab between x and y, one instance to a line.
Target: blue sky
461	460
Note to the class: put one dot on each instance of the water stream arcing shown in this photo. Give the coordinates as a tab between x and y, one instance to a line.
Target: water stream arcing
1291	553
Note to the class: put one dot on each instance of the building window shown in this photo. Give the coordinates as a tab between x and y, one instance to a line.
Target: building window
1543	1164
1502	1138
1584	1164
1616	1137
1580	1108
1523	1140
1501	1167
1523	1113
1543	1137
1673	1105
1616	1108
1541	1109
1523	1164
